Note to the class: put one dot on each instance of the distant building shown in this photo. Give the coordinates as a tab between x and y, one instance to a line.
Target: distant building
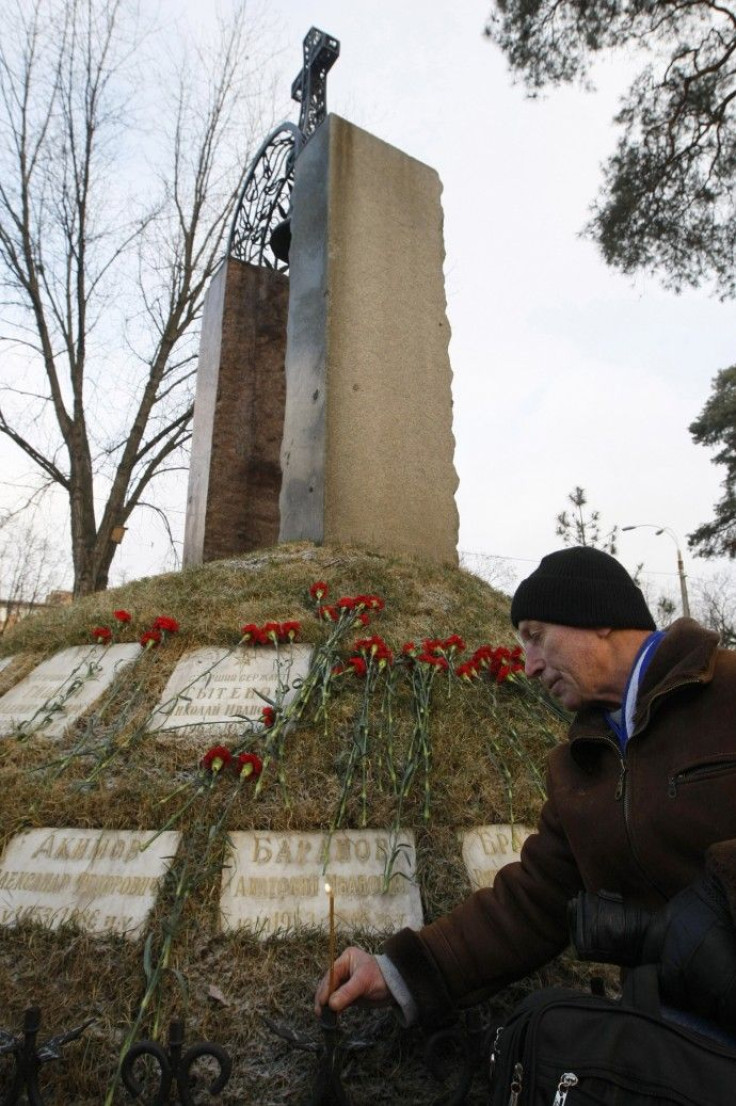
13	610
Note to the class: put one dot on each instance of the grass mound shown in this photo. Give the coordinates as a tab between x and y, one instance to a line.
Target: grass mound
478	751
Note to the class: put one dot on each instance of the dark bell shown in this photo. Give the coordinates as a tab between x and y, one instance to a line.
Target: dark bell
281	240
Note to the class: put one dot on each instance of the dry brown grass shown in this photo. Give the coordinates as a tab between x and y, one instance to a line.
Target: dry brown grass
481	740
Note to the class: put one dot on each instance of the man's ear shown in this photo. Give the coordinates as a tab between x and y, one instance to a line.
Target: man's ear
603	631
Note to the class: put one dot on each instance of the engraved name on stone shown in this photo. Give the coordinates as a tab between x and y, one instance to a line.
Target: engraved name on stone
276	881
488	848
101	880
211	690
55	693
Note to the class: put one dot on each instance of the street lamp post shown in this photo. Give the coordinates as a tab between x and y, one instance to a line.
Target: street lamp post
680	566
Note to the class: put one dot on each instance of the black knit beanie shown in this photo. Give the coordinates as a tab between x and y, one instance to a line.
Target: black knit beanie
581	587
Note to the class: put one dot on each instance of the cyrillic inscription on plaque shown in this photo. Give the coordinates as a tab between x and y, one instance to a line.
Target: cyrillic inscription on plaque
276	881
488	848
101	880
212	691
62	687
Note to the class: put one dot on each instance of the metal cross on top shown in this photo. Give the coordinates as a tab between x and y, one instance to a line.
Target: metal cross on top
261	231
309	89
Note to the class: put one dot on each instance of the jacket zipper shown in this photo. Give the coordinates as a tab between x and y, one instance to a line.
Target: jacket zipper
494	1053
622	796
517	1083
702	771
568	1080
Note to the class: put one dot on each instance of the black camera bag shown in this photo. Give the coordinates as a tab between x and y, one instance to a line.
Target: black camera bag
567	1048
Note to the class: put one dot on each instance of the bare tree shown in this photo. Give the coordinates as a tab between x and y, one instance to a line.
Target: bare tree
31	567
115	199
715	601
496	571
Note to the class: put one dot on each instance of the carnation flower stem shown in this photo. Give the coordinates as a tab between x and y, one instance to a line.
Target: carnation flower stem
189	872
154	972
527	761
317	680
499	758
54	705
174	818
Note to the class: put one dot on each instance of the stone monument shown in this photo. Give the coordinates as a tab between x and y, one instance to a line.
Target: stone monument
323	407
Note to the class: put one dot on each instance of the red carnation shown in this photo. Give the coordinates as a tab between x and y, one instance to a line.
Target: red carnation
454	644
328	614
375	602
271	631
253	633
376	647
432	658
122	616
150	638
467	671
102	635
215	758
166	624
319	590
268	717
288	631
358	665
248	766
483	656
364	618
346	603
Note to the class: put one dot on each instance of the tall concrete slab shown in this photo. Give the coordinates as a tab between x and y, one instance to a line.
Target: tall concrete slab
367	455
235	472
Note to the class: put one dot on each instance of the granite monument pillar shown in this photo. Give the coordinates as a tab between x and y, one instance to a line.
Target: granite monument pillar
367	453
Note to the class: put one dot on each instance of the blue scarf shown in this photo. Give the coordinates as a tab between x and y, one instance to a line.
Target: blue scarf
621	721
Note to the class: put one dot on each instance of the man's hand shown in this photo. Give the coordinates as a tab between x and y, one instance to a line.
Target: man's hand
356	978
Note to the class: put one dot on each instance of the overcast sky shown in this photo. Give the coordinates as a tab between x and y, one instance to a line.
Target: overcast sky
565	372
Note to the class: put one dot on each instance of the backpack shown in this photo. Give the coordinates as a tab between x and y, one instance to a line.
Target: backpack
567	1048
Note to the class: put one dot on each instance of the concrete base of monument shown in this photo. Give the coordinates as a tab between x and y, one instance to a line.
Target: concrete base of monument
325	769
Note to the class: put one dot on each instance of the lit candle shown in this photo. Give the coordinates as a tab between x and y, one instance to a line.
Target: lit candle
331	895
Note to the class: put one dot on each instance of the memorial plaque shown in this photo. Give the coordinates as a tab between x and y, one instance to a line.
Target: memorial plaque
488	848
102	880
276	881
62	687
211	691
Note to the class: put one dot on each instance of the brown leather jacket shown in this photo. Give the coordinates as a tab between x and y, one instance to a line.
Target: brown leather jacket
644	824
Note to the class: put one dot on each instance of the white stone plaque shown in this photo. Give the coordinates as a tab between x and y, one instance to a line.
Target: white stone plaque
102	880
62	687
276	881
211	690
488	848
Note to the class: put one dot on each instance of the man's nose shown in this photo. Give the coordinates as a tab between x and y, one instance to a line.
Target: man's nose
533	662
